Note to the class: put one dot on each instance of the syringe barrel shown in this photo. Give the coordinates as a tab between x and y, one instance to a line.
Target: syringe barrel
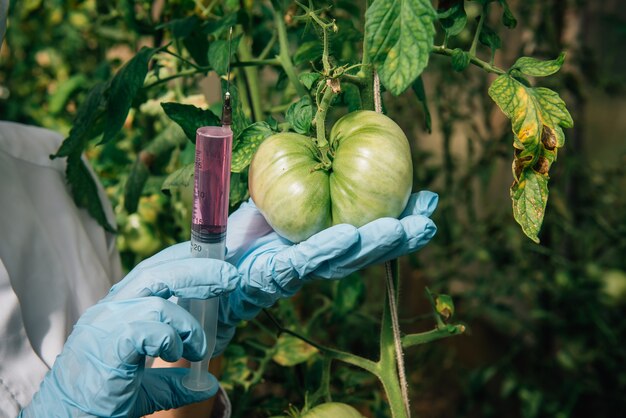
208	230
211	183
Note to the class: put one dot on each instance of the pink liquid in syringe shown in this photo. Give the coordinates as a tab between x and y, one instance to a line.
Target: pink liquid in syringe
211	183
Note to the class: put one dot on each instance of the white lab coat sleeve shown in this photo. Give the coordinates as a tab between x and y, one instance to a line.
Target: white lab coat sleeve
55	260
22	370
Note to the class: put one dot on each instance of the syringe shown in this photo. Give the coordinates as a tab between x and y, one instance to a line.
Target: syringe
208	227
208	230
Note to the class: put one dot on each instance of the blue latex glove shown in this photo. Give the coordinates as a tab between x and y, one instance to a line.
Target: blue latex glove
101	369
273	267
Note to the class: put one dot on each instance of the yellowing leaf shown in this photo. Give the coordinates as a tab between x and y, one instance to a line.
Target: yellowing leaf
292	351
538	116
530	196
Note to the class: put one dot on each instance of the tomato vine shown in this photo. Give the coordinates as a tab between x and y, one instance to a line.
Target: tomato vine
398	40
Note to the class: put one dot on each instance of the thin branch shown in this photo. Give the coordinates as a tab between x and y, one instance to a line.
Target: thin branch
442	50
349	358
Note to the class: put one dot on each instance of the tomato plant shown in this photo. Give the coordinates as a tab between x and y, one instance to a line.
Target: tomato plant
456	61
303	184
368	175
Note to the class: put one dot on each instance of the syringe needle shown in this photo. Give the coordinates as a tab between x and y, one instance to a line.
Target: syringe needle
230	41
227	112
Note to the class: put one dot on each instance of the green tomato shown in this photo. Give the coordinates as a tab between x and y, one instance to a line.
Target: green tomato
371	176
332	410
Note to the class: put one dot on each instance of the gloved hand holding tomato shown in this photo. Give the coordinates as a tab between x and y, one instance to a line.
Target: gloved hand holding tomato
365	195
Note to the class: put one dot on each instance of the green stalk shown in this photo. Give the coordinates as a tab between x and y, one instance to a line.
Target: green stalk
388	365
252	77
256	62
243	98
479	29
366	89
349	358
284	56
442	50
320	126
366	73
432	335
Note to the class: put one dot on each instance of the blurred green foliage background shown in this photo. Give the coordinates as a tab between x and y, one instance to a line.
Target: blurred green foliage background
545	323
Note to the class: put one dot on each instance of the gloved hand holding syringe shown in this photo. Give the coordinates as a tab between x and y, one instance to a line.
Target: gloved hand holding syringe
208	226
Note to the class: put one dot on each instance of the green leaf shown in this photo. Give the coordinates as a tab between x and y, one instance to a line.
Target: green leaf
308	79
351	97
89	122
216	27
238	188
349	294
183	177
236	370
530	196
300	115
85	190
399	38
197	44
123	88
452	16
420	93
135	182
538	68
190	118
460	60
218	55
490	38
182	28
508	19
307	52
64	91
291	351
247	143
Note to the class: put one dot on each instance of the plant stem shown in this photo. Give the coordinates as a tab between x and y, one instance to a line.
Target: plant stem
268	47
432	335
256	62
388	365
392	273
332	353
325	53
479	29
181	58
320	118
183	73
366	90
243	98
354	79
365	60
442	50
323	391
252	77
284	56
366	73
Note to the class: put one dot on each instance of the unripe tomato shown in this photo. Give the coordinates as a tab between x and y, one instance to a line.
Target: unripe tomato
370	177
333	410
